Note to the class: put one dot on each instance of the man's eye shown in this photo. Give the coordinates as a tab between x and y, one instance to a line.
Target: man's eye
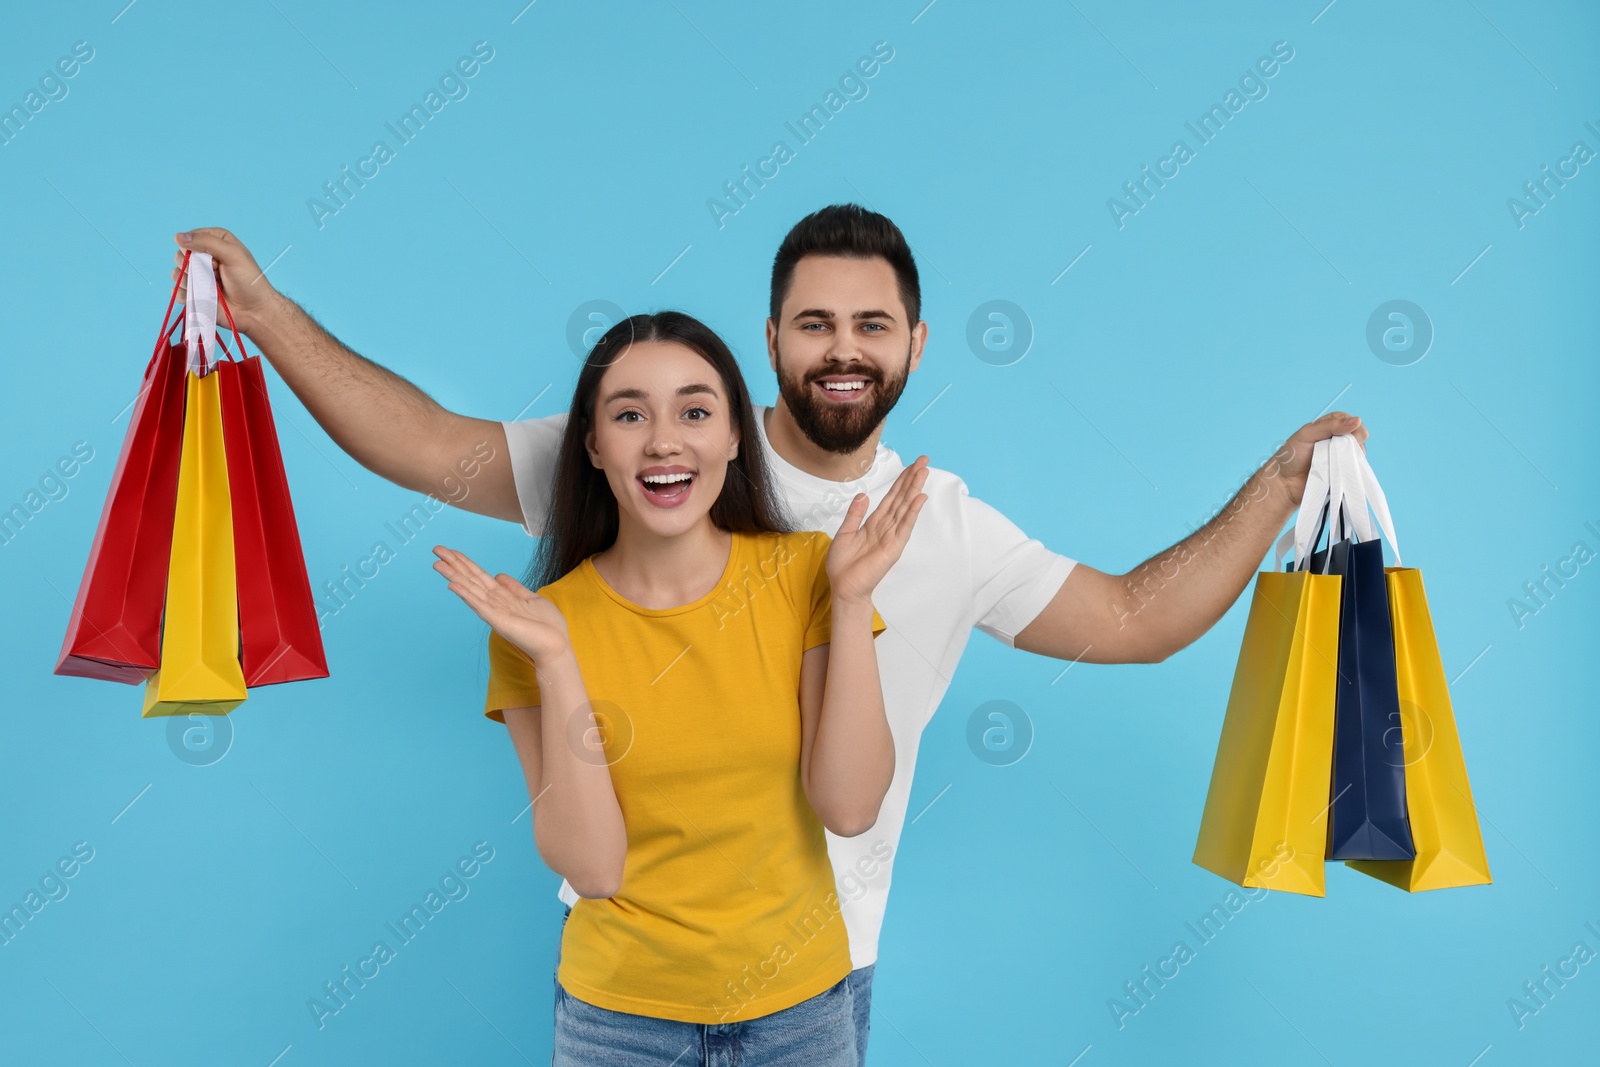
878	326
818	325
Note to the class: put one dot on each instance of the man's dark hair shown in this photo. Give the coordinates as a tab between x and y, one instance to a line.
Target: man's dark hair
852	231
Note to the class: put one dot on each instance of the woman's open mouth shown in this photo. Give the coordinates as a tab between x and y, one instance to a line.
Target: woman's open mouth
668	489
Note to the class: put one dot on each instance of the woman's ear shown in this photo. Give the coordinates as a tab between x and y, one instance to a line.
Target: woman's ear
588	446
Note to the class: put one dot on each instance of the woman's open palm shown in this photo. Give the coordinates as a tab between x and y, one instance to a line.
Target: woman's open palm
520	615
863	552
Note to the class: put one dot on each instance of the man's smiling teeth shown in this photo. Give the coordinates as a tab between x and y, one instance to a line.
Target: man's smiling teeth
842	387
666	479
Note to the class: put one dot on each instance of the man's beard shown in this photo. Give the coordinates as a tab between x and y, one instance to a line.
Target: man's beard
841	428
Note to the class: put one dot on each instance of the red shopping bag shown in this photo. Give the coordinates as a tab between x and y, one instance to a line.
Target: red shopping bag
279	637
114	633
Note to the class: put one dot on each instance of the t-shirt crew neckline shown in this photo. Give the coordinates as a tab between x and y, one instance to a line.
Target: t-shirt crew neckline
810	482
594	575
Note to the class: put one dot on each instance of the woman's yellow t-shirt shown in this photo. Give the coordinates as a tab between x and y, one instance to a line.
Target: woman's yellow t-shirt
727	909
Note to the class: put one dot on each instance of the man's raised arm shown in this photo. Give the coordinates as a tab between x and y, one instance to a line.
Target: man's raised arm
383	421
1171	599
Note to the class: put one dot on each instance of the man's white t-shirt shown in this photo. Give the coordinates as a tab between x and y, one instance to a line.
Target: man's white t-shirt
966	565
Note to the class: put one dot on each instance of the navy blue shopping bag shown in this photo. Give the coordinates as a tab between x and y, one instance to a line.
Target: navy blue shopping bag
1367	818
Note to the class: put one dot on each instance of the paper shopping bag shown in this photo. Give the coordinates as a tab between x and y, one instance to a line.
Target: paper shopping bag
114	633
200	670
1263	821
1367	806
1444	823
279	637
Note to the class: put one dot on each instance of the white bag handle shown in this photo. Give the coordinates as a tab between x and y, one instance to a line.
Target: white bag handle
1315	499
1345	475
200	314
1342	483
1335	487
1361	490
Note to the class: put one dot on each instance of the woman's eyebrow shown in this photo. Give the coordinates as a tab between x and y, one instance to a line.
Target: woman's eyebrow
641	394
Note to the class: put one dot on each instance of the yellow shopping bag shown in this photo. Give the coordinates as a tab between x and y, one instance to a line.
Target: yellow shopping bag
1265	821
200	669
1444	823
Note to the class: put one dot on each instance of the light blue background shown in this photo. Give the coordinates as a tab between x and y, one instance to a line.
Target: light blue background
1190	342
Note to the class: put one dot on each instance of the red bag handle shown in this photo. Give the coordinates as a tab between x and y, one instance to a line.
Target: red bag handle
166	333
223	300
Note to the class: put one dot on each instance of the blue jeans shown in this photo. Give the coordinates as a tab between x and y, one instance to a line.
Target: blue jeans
860	981
814	1033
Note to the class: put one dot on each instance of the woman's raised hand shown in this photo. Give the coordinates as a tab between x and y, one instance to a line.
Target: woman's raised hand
862	553
521	616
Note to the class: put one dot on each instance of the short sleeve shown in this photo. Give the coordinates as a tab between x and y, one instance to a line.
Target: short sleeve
819	624
534	445
513	682
1013	576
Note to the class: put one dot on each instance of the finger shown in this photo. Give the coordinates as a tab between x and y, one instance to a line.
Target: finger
895	492
489	587
1337	422
897	533
468	570
210	239
894	500
453	575
853	516
488	602
451	556
478	578
909	519
468	597
456	568
892	541
916	483
222	245
913	478
453	571
904	485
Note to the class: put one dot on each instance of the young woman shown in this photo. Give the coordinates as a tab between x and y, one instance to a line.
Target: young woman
693	694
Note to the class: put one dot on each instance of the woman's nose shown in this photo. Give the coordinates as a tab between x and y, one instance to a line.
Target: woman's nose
664	444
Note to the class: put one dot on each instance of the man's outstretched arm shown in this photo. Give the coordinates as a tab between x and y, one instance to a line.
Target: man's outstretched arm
1171	599
383	421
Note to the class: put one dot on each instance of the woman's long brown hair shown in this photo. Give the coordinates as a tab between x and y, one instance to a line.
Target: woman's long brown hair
582	515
